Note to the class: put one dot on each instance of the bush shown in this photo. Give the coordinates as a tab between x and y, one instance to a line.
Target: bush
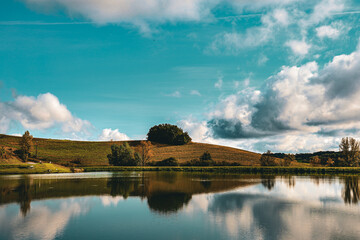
123	155
168	134
168	162
204	160
206	156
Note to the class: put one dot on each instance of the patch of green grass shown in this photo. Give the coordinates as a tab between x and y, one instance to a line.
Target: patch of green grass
33	168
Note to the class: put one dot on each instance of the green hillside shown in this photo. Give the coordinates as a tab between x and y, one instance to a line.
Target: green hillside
65	152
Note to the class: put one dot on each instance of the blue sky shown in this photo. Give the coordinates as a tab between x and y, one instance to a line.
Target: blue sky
258	75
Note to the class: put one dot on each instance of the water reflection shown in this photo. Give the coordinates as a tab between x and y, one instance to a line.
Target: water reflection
268	181
351	190
204	206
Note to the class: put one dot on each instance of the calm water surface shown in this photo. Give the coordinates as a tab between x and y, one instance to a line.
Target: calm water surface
178	206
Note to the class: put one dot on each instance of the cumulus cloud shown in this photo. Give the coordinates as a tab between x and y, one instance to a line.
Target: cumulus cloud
298	47
38	113
297	98
301	108
108	134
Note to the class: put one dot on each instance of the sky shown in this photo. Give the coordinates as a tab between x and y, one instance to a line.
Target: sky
282	75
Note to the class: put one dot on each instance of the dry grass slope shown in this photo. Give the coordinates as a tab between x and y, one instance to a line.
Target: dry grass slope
95	153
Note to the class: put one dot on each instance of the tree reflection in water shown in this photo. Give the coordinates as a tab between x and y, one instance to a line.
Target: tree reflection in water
168	202
351	190
268	181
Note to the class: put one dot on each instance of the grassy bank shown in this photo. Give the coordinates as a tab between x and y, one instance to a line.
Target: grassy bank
234	169
32	168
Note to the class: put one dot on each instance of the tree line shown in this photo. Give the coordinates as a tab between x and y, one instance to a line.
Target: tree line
347	156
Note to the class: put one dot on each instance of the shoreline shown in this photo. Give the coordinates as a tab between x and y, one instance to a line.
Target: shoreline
51	168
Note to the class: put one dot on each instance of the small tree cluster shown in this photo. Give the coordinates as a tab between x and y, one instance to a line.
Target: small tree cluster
123	155
267	160
25	145
168	134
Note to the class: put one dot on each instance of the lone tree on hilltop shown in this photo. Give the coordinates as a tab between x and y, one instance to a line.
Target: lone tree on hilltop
168	134
25	145
350	147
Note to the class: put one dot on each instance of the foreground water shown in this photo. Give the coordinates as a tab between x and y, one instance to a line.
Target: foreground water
178	206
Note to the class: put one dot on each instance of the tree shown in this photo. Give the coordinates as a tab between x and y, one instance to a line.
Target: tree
25	145
123	155
168	134
330	162
146	152
206	156
349	147
267	160
315	160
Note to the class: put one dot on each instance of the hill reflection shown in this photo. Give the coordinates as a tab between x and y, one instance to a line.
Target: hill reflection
165	192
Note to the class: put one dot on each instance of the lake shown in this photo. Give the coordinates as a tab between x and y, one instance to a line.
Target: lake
161	205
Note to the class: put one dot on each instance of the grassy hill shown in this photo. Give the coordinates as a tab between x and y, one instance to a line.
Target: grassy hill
95	153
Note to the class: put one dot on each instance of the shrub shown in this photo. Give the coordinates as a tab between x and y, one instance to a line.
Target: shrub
168	134
168	162
204	160
123	155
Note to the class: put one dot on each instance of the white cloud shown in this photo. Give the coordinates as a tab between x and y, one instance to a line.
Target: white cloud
323	10
55	219
219	83
112	135
195	92
175	94
327	31
298	47
38	113
262	60
333	31
232	42
198	130
136	12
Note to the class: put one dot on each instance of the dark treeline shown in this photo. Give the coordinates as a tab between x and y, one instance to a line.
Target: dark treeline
306	157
